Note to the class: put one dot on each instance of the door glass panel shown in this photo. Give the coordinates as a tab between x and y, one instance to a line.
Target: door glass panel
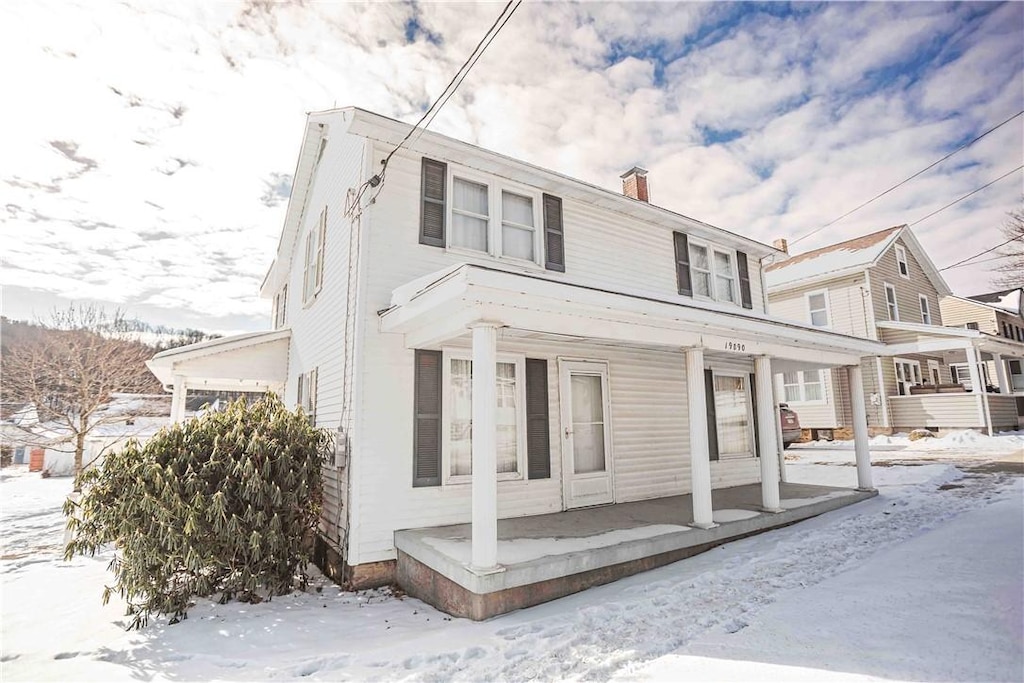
587	424
731	413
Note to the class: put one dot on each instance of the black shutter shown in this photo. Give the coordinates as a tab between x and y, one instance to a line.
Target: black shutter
538	441
432	213
753	407
682	248
709	395
427	427
741	263
554	237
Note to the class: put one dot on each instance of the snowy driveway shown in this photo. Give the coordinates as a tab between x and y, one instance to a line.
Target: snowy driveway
923	582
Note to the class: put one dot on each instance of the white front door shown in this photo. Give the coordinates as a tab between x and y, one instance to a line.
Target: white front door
586	446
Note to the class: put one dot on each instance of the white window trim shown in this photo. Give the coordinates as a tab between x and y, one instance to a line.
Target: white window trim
828	308
751	439
895	301
896	369
447	478
306	392
901	260
495	186
281	307
933	365
926	309
712	248
801	384
313	264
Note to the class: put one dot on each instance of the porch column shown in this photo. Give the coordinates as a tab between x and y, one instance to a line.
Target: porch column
1002	378
485	447
178	400
860	428
767	421
978	385
700	461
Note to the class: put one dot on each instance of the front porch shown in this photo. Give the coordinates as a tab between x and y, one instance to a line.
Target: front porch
545	557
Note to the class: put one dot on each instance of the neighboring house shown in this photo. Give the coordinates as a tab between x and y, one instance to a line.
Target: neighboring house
499	345
15	420
883	286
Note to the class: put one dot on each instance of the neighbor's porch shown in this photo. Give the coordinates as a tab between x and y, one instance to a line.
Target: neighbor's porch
545	557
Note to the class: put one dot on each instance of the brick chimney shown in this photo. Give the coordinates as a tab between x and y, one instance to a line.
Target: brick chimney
634	184
782	245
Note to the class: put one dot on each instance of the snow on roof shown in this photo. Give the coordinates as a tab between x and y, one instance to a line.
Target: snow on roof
859	252
1009	300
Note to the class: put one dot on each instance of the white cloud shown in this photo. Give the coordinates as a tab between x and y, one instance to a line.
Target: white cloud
146	135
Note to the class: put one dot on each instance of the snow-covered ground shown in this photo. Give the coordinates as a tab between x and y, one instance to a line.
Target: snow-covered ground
923	582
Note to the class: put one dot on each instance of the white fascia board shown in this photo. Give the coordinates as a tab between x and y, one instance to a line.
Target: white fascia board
392	132
542	305
817	279
162	364
924	260
932	330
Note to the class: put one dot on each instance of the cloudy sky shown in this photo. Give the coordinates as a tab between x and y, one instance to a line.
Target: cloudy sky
147	146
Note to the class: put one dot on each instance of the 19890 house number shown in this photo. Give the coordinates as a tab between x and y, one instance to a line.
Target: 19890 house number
735	346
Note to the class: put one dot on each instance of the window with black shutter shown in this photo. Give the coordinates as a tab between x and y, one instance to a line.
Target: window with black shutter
709	397
682	249
432	212
554	237
538	441
427	423
741	264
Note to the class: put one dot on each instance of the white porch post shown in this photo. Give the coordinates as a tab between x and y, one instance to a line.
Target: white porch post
700	462
485	447
178	400
860	428
1002	377
767	419
978	385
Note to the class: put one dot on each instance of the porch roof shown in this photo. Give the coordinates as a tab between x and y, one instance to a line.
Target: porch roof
255	361
442	305
922	338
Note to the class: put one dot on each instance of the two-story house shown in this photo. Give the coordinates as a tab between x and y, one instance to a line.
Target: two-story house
883	286
536	384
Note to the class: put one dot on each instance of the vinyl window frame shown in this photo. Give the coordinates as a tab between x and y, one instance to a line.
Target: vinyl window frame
281	307
449	354
902	264
801	384
313	263
891	307
926	309
811	311
904	384
734	275
495	220
306	392
751	435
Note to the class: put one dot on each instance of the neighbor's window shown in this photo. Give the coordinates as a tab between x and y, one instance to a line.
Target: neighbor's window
803	386
459	416
926	312
908	374
817	304
901	261
890	302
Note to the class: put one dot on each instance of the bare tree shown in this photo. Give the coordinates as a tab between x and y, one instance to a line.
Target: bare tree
70	372
1010	271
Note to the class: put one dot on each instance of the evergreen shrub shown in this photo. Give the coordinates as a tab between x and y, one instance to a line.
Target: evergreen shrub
226	503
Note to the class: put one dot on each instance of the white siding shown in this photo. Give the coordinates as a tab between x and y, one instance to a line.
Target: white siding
942	411
647	388
318	327
848	302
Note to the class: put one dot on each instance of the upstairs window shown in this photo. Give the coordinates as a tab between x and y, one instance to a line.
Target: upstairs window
901	262
518	235
712	273
470	215
496	221
817	306
926	312
281	308
890	302
313	269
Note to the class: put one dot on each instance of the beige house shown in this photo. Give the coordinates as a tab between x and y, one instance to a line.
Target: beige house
884	287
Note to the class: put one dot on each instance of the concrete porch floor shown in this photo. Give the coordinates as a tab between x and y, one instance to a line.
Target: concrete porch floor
548	556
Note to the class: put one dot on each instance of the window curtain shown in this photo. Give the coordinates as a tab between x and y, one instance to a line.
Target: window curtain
517	241
732	415
460	440
470	231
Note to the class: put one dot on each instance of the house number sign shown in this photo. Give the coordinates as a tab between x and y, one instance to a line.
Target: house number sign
735	346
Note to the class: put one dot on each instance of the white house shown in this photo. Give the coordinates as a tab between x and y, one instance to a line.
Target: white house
536	384
883	286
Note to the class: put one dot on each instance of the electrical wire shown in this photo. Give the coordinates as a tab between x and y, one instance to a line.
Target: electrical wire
980	253
907	180
984	260
506	13
957	201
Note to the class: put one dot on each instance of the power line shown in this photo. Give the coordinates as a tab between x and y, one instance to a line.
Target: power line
449	90
980	253
957	201
907	180
984	260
